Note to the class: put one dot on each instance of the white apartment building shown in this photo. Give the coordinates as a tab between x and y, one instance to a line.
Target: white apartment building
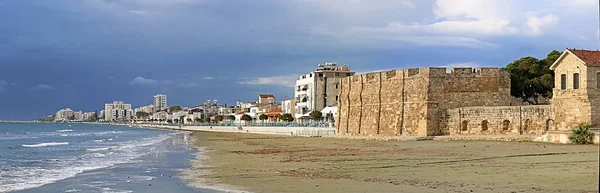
118	110
67	114
288	106
160	101
319	89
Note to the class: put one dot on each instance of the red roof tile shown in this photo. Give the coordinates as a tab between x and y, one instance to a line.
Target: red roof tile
588	56
266	95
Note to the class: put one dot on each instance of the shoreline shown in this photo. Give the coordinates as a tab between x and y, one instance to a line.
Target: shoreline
194	176
277	163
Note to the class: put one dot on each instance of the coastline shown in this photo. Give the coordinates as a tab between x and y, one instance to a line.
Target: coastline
242	162
195	175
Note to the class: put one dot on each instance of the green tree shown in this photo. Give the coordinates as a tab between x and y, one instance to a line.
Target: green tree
531	77
316	115
231	117
72	117
169	121
198	120
287	117
582	135
246	117
207	119
141	114
175	108
188	120
263	117
219	118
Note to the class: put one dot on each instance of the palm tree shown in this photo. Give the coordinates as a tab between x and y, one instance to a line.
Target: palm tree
582	135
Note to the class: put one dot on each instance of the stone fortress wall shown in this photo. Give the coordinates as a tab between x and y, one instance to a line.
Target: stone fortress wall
430	101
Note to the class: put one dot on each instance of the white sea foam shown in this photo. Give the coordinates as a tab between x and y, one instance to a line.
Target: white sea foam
64	130
99	149
31	177
46	144
98	141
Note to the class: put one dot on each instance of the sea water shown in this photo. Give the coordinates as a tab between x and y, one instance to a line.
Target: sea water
92	158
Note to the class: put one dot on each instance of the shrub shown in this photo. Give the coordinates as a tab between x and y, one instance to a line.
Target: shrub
198	120
316	115
246	117
231	117
287	117
582	135
263	117
219	118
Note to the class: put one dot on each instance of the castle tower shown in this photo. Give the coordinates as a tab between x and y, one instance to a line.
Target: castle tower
576	94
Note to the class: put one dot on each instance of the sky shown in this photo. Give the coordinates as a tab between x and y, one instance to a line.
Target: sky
84	53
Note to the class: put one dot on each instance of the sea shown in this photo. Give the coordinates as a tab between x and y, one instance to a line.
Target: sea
93	158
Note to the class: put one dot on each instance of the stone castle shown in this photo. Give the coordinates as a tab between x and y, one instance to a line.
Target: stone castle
432	101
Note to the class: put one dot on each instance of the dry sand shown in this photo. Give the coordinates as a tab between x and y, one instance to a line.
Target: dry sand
270	163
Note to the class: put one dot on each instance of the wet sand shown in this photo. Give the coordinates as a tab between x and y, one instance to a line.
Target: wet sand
271	163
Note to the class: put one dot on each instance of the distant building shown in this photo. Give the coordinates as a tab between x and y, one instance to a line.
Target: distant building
266	98
320	88
88	115
63	114
116	111
160	101
288	106
147	109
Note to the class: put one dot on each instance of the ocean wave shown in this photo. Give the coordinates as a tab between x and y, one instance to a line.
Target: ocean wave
46	144
64	130
94	133
36	176
98	149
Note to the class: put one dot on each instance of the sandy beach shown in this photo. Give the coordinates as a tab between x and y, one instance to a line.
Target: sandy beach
271	163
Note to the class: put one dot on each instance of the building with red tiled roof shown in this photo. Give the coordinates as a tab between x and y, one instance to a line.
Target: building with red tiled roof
576	95
266	98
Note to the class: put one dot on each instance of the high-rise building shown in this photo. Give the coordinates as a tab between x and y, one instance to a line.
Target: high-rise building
118	110
160	101
320	88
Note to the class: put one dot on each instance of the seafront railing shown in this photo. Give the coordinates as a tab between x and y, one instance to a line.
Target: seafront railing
250	124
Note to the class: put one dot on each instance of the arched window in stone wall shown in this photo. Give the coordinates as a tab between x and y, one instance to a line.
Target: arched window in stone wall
526	127
549	125
464	126
563	82
575	80
484	125
505	125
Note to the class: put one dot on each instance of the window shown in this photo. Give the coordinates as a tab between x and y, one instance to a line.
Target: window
337	86
598	80
563	82
336	98
320	74
310	75
347	74
575	80
337	74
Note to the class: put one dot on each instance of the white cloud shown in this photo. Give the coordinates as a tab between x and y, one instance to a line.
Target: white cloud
288	81
41	87
138	12
143	81
471	9
462	23
536	24
208	78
